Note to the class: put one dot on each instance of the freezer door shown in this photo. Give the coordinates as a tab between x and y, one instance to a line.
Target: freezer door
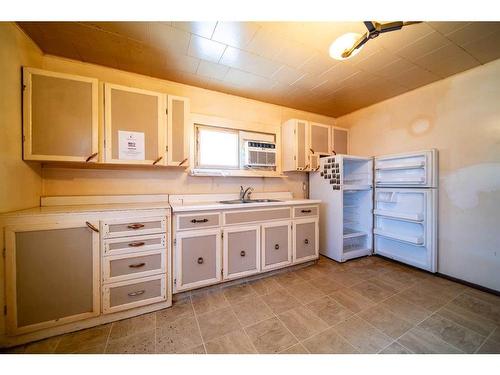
405	226
417	169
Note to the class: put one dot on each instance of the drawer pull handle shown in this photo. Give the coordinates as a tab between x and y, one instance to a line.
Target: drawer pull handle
276	247
200	260
91	157
195	221
136	244
306	241
306	211
137	265
92	227
242	253
135	226
138	293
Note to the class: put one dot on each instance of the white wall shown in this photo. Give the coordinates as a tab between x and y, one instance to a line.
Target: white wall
460	116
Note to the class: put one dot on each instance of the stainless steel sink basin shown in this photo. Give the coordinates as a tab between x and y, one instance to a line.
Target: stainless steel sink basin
238	201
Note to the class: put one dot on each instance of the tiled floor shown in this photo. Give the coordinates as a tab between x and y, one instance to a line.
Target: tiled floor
369	305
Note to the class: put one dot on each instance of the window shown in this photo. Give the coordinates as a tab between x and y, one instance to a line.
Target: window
217	147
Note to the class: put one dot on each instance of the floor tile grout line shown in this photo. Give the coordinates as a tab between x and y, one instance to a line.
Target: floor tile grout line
485	340
198	324
107	338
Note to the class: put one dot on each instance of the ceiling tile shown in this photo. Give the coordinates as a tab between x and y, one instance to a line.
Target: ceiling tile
485	49
446	27
395	40
447	61
249	62
236	34
287	75
138	31
212	70
308	81
423	46
473	31
415	77
339	72
396	67
265	43
206	49
294	54
201	28
168	38
184	63
318	63
243	79
375	61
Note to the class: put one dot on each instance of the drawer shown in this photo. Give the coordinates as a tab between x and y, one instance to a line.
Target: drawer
195	221
133	266
133	226
305	211
253	216
130	294
126	245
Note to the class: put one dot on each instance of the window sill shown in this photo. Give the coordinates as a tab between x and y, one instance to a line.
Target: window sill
233	173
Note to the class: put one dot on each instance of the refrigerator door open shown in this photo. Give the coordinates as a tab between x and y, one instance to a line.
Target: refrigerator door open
405	226
418	169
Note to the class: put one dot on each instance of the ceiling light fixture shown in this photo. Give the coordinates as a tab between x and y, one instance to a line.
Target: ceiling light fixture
348	45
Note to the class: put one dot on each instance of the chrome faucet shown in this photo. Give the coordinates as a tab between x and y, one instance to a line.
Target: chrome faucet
245	192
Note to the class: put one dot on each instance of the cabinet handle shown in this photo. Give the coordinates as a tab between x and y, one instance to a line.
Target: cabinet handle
307	166
200	260
138	293
157	160
91	157
276	247
182	162
136	244
312	151
305	211
137	265
306	241
195	221
333	152
92	227
242	253
135	226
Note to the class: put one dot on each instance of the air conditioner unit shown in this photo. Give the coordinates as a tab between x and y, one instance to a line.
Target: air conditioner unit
259	154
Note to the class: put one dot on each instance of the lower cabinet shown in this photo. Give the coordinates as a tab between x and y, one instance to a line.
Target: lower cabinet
276	245
198	258
241	251
306	240
52	275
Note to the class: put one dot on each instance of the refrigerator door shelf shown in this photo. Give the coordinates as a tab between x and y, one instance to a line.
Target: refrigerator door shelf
414	240
416	169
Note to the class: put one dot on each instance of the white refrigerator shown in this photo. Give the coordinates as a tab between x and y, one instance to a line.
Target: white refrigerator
397	219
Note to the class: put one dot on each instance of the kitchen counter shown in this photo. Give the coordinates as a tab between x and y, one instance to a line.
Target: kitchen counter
204	202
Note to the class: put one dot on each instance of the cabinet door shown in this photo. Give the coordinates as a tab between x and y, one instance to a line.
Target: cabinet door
52	275
59	117
241	251
340	140
198	258
179	131
276	245
301	143
135	126
319	139
305	240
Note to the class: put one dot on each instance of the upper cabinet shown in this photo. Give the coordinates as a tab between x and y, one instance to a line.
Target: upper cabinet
135	126
304	142
340	140
179	131
60	117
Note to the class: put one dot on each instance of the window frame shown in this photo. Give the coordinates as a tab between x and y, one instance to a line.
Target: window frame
216	129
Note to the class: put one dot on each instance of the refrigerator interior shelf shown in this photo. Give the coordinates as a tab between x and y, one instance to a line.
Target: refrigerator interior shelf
400	215
401	180
356	187
417	165
414	240
350	233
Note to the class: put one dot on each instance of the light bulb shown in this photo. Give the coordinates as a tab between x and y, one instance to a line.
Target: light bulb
343	43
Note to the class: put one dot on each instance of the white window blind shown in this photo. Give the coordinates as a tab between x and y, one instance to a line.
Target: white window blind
217	147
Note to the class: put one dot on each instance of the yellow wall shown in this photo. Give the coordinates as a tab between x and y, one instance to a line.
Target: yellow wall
64	181
20	182
460	116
